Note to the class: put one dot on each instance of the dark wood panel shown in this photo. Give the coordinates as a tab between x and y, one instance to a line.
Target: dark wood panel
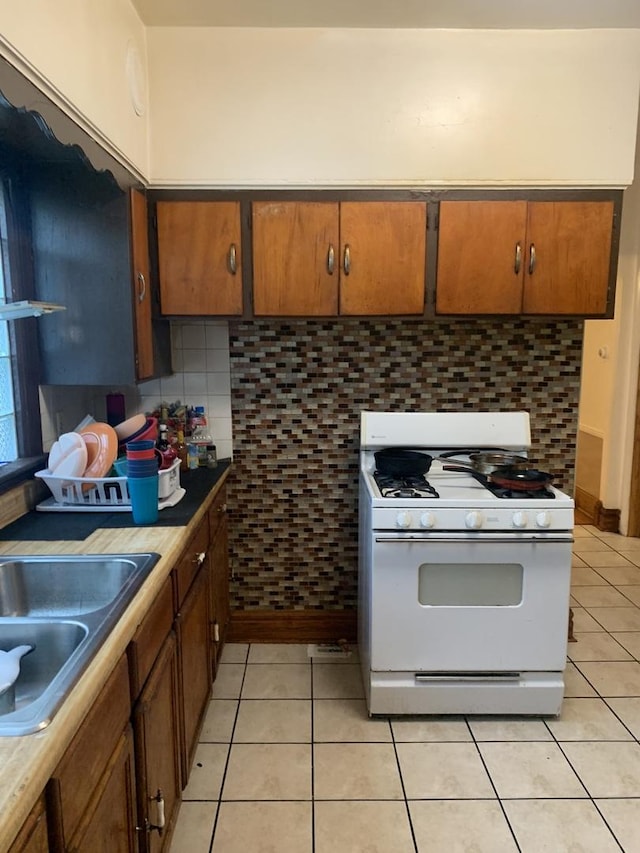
292	626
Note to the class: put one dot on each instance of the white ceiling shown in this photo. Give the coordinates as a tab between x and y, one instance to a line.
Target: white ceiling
464	14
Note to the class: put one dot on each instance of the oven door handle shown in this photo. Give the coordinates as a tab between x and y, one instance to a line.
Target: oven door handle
507	538
448	677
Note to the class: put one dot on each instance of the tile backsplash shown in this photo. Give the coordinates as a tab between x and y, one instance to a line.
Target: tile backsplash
297	389
200	358
294	391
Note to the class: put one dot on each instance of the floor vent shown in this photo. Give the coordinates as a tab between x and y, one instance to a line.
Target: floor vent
328	651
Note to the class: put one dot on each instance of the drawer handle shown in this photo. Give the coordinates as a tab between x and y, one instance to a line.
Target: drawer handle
199	558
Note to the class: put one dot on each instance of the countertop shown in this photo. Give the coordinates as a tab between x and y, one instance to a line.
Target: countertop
28	762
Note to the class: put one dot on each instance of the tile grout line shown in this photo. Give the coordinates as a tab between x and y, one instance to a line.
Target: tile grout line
226	764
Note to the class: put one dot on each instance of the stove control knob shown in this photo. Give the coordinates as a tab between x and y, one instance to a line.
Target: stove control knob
403	519
474	520
520	519
427	519
543	519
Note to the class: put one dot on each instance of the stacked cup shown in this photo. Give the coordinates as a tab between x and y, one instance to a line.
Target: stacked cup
142	480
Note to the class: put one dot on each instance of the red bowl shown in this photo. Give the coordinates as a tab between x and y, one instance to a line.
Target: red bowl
149	430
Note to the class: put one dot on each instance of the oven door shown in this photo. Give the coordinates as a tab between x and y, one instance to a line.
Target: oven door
469	603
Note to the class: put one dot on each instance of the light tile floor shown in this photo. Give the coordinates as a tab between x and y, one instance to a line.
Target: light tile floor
289	762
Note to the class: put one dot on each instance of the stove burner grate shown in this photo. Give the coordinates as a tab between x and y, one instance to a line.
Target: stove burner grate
412	486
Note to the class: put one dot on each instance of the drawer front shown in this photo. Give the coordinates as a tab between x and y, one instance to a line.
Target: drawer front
88	755
148	639
191	560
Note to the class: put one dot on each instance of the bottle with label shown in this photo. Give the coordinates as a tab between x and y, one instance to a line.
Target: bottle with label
181	449
200	435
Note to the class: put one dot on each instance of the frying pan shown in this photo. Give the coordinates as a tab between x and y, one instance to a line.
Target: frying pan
398	462
486	461
508	477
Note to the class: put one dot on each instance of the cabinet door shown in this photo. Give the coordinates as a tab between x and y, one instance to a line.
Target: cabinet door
156	722
219	562
383	257
199	256
141	285
33	837
81	770
568	272
295	258
194	656
481	257
110	823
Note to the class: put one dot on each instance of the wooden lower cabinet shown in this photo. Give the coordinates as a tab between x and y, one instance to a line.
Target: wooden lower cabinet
156	723
194	656
219	564
33	836
91	794
109	825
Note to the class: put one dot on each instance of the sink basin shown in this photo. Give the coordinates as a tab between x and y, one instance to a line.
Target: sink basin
63	586
65	606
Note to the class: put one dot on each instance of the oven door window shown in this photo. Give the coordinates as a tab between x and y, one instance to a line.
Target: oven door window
470	584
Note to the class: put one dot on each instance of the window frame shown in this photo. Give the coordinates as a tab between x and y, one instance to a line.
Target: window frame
23	333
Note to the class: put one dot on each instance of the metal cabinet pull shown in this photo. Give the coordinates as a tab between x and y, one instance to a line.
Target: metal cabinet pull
532	259
346	264
199	558
518	260
142	287
233	267
330	259
159	826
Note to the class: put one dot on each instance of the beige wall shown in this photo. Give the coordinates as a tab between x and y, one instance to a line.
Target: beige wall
238	107
79	52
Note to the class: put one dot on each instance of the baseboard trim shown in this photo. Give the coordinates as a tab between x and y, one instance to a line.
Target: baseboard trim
607	520
292	626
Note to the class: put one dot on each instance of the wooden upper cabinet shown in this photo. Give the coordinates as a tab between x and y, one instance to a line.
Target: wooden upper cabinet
349	258
141	285
199	256
478	269
513	257
295	258
383	256
571	245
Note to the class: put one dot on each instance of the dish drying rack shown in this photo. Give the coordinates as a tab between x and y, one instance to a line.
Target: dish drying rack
107	494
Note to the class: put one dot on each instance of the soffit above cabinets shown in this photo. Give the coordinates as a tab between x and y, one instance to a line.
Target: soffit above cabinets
455	14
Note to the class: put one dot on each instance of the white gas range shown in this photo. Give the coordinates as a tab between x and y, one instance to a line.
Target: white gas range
463	586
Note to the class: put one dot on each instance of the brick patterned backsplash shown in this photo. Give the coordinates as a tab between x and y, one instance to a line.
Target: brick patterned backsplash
297	389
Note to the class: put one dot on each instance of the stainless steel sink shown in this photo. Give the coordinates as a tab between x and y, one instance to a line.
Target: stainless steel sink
66	607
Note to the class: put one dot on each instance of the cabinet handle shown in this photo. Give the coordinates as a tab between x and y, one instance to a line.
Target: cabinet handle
518	259
346	265
142	287
532	259
199	558
159	826
330	259
232	259
222	508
